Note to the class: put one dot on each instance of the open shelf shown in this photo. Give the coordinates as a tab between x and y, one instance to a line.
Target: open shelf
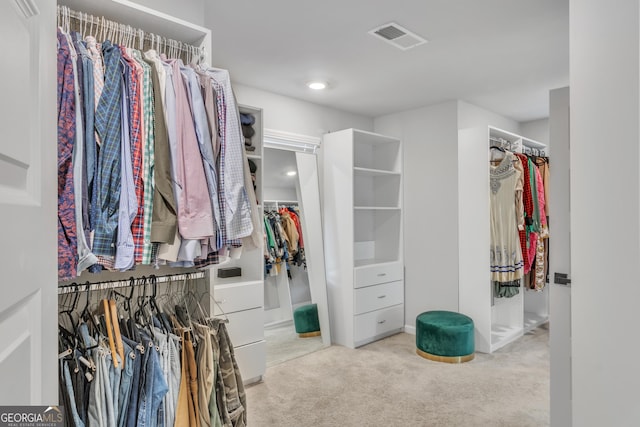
145	18
376	208
377	190
374	172
375	152
376	236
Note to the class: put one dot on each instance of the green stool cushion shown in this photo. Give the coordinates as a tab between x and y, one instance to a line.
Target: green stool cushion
445	333
305	319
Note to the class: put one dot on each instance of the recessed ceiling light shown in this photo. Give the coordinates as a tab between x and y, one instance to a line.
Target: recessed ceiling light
292	173
317	85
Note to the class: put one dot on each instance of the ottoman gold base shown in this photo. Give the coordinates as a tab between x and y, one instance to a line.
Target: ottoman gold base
310	334
446	359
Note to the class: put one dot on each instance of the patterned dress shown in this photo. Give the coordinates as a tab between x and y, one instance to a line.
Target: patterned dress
506	255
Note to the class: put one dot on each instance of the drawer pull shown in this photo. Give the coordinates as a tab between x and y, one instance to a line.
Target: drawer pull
221	301
382	274
382	296
380	322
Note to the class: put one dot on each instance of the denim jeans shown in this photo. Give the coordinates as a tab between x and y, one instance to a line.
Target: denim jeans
153	388
131	408
169	357
115	375
100	411
125	383
77	422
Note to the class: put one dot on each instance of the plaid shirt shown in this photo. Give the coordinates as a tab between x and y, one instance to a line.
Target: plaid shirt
148	113
109	175
134	86
236	202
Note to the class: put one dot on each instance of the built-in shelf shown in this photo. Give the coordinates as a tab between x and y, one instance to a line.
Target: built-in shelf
377	208
363	173
374	172
144	18
372	261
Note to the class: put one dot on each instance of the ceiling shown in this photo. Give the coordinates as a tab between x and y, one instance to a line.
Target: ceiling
504	55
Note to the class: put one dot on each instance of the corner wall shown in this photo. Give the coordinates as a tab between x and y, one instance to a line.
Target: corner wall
430	145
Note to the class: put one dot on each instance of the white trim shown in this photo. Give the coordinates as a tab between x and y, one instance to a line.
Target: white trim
410	329
290	141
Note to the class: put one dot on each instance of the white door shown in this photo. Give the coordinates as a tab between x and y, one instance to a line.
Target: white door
28	200
560	260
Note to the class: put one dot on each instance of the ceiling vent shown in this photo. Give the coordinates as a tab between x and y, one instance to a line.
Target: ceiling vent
397	36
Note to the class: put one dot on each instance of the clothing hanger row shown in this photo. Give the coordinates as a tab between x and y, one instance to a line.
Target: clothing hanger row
114	284
125	35
534	151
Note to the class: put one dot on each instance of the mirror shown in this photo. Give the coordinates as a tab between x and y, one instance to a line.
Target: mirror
291	189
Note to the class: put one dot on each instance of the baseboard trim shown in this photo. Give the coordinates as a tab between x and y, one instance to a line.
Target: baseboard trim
410	329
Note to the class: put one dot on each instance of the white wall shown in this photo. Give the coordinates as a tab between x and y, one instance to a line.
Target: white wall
190	10
430	144
429	138
605	196
292	115
471	116
536	129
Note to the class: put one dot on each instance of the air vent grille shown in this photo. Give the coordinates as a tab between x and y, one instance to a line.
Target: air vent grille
397	36
390	32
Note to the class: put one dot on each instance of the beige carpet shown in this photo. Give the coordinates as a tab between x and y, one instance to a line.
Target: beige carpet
283	343
386	384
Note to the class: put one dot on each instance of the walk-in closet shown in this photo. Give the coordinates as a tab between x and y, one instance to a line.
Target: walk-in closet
238	213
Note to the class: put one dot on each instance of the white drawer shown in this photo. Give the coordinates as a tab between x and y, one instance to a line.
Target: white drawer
378	273
378	296
246	326
376	323
252	361
238	296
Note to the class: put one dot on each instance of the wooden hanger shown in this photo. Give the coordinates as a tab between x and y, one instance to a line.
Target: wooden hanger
105	311
115	322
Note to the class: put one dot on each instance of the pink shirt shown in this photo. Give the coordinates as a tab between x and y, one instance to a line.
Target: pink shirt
195	215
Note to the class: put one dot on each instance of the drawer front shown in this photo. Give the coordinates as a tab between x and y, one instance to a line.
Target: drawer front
378	273
379	322
246	327
252	361
378	296
237	297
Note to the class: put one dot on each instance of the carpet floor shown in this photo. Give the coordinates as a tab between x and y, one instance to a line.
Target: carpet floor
386	384
283	343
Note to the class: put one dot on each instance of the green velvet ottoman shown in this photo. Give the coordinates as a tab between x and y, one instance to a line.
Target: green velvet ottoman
445	336
305	319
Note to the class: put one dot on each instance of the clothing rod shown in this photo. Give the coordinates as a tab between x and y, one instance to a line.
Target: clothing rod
95	24
113	284
282	202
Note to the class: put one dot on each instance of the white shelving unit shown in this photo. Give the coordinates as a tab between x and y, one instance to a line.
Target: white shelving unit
498	321
365	274
241	298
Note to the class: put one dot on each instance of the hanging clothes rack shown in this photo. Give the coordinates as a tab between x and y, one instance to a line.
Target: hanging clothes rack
281	203
113	284
126	35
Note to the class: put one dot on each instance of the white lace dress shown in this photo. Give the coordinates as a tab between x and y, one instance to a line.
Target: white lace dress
506	182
